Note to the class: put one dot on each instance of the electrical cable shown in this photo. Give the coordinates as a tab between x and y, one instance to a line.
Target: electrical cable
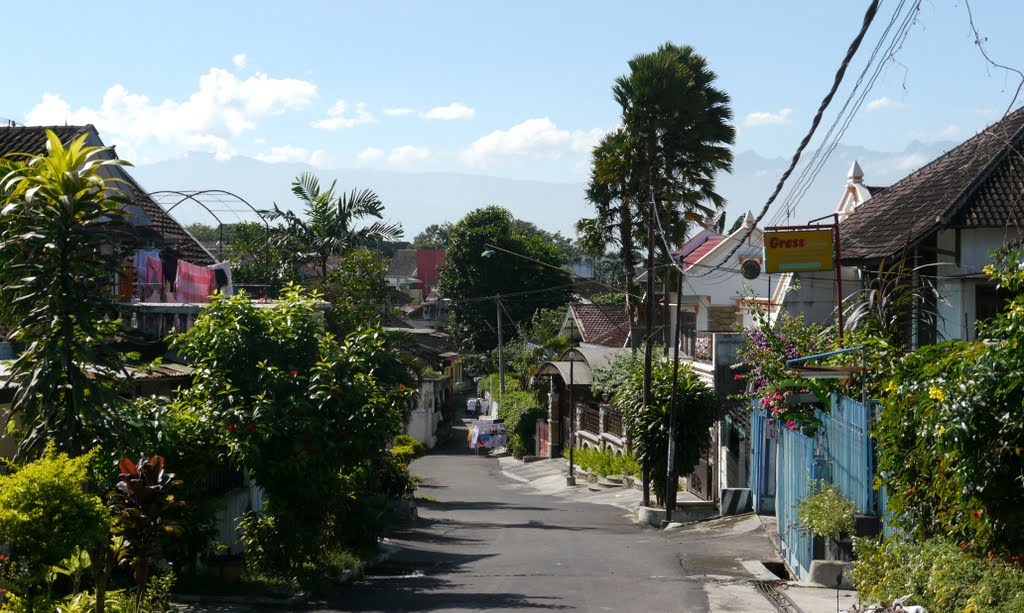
840	73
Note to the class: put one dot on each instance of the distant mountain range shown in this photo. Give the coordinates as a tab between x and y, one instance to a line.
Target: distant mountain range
420	199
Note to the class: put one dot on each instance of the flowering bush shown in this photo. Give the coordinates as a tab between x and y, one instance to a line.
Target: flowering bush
761	363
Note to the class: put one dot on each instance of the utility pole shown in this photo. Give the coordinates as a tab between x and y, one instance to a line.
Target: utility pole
645	468
673	478
501	353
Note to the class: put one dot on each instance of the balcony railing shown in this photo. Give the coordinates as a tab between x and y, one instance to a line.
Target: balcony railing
590	419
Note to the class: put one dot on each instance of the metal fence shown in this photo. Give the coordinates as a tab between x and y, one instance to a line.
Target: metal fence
796	476
846	446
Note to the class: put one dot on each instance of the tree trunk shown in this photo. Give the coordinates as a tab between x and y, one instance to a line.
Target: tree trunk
626	256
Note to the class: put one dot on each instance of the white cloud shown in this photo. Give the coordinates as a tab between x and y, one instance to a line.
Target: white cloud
370	154
765	118
337	117
286	153
239	60
455	110
987	112
223	107
537	138
885	102
398	112
319	158
949	131
407	154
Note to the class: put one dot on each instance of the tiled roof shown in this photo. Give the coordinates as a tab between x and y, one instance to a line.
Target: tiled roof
601	324
694	256
974	185
403	264
32	140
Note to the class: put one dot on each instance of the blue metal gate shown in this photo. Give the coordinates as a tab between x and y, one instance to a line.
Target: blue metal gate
846	447
796	476
763	439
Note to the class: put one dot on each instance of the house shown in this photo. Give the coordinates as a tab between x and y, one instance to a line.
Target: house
597	324
597	424
944	220
414	272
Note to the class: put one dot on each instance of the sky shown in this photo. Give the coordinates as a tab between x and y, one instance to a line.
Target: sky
518	90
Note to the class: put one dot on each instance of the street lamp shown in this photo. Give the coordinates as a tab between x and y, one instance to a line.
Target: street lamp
571	479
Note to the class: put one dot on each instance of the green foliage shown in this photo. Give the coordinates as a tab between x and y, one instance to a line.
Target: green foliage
358	293
468	278
46	512
329	228
603	462
826	512
257	259
55	293
434	236
610	299
939	574
896	295
609	378
951	437
140	503
648	428
520	410
405	449
293	405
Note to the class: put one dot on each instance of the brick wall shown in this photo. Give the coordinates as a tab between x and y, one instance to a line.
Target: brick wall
722	319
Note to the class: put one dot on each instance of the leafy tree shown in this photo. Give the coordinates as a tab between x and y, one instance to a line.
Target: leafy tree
471	280
674	138
58	218
299	409
611	298
648	428
204	233
358	293
329	228
435	236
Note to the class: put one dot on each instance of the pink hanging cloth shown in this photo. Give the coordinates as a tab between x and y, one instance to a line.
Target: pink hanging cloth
194	283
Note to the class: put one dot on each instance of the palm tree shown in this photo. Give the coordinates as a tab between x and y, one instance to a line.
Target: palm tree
329	228
674	138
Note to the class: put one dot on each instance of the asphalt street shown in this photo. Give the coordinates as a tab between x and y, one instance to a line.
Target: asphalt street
486	542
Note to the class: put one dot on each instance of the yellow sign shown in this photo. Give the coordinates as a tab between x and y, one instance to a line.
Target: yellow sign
798	250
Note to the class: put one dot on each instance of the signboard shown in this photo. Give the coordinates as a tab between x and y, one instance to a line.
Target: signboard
798	250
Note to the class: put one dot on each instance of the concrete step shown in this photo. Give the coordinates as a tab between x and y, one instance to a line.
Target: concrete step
607	483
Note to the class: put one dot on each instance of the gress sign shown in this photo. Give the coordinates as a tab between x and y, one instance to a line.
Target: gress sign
798	250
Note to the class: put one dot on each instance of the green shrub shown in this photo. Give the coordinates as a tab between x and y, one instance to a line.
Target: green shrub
406	449
46	513
520	411
604	462
826	512
940	575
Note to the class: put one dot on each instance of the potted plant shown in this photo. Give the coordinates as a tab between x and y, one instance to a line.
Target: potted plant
829	515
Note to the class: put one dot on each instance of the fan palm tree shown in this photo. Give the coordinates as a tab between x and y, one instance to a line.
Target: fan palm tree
329	227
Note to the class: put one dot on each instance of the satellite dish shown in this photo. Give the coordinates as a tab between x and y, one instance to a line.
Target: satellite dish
750	269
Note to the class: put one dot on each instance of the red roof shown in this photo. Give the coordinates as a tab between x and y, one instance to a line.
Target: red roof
695	255
602	324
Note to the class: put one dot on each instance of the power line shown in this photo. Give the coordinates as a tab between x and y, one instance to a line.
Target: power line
868	18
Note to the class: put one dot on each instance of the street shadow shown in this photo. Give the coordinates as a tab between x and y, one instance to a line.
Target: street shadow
482	505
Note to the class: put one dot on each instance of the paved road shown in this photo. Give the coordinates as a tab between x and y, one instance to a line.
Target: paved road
485	542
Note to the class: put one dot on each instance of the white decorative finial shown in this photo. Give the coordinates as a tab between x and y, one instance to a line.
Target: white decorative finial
748	220
856	174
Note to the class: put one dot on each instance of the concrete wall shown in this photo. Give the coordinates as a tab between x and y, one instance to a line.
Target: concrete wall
427	415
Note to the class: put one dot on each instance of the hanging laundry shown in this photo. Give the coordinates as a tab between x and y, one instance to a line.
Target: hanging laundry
193	283
222	277
139	262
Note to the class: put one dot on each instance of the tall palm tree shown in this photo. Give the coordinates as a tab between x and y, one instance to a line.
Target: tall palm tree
329	228
674	139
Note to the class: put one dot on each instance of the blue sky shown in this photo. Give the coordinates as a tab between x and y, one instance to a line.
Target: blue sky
516	89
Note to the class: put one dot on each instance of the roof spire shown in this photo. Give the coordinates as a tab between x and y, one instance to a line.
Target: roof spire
856	174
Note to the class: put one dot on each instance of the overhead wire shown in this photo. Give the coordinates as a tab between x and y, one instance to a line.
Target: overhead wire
840	73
